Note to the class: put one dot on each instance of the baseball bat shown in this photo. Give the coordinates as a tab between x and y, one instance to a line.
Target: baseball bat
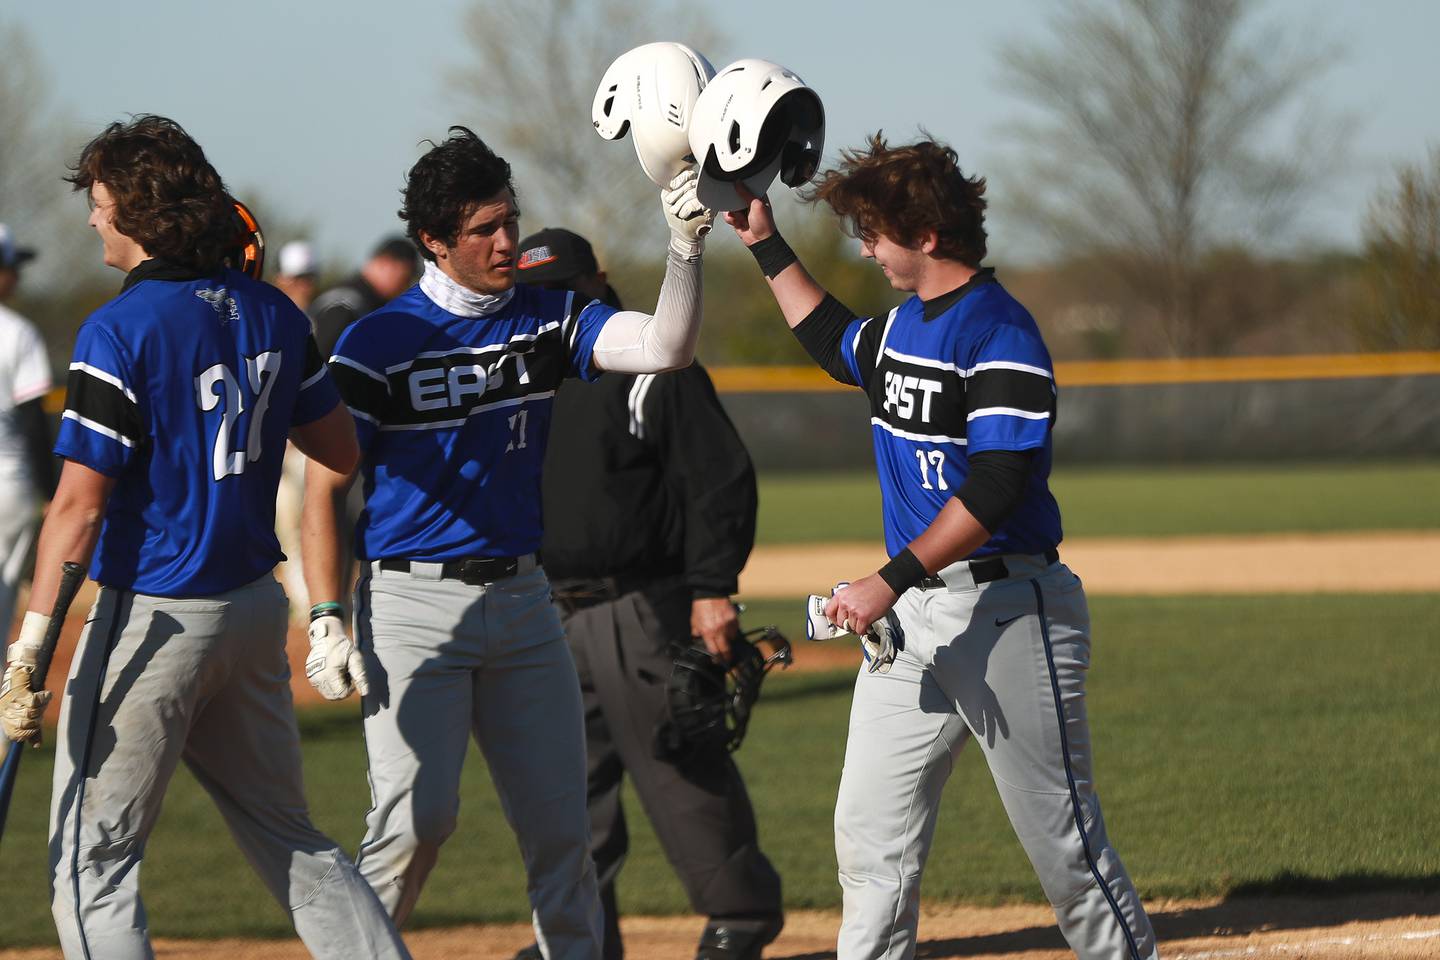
71	576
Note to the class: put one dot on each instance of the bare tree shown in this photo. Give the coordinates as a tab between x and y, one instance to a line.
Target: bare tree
1152	147
1399	304
31	161
528	93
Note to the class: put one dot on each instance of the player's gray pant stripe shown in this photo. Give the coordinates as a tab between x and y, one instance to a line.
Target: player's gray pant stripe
1070	776
84	765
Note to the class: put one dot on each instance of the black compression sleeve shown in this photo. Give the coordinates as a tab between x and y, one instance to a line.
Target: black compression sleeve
36	430
820	334
995	485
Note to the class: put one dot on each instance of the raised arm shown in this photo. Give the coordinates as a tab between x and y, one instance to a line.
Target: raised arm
818	320
634	342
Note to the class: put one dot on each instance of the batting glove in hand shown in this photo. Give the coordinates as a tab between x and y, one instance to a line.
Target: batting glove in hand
334	666
20	706
689	219
882	642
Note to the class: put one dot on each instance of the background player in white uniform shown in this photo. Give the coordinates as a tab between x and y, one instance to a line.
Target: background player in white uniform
990	632
452	385
181	394
296	278
26	467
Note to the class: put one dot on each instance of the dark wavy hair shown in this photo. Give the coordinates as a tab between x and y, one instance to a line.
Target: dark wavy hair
447	183
904	191
168	198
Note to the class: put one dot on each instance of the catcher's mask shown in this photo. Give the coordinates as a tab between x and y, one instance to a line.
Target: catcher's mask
708	704
248	253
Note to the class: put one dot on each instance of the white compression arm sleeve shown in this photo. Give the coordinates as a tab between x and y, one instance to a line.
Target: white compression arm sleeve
634	342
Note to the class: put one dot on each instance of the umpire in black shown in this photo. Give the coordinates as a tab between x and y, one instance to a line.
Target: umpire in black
649	500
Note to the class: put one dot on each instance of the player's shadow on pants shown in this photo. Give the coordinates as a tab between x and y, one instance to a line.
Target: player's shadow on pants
90	745
1286	902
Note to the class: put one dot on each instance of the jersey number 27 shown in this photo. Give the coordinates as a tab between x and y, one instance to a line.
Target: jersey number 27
261	372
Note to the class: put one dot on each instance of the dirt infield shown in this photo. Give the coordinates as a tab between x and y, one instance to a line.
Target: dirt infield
1382	927
1397	562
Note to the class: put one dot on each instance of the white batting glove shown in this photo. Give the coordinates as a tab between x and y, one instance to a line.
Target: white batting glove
334	666
689	219
21	706
817	625
882	642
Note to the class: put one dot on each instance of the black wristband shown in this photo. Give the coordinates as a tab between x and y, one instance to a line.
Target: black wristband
903	571
773	254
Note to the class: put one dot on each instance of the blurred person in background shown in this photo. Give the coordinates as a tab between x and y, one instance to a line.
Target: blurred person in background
391	269
299	273
27	469
298	279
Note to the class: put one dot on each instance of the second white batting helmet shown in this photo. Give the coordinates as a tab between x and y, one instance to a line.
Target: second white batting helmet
755	119
651	91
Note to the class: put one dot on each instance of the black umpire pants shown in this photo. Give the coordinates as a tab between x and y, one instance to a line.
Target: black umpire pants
699	808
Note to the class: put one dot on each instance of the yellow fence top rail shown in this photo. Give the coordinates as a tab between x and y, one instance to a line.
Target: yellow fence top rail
1092	373
1096	373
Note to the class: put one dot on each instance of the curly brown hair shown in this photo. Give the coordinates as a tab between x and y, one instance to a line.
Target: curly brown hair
903	192
168	198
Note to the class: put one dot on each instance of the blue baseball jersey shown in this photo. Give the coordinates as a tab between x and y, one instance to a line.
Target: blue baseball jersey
959	375
453	414
184	391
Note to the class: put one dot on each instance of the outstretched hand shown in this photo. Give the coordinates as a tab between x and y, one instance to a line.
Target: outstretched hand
753	222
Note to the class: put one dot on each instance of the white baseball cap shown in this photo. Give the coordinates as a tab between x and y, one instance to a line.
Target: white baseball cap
12	256
297	259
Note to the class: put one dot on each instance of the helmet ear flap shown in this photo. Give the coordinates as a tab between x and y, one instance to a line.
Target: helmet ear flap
248	253
608	112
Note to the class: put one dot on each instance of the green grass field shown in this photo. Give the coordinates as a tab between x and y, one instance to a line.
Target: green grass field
1241	744
1144	503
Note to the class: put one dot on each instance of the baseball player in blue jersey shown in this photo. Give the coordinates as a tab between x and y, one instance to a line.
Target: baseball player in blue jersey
974	628
451	385
181	394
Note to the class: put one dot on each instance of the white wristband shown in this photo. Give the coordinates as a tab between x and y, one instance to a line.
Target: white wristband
31	638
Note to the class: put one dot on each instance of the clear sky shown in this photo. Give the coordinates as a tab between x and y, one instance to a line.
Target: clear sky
320	104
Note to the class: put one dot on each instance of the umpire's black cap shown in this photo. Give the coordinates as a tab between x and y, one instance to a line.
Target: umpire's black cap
554	255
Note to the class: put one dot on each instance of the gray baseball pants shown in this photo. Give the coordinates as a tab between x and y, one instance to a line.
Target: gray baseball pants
156	681
448	660
1003	663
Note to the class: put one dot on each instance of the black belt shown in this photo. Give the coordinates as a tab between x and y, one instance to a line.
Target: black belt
472	570
985	570
577	593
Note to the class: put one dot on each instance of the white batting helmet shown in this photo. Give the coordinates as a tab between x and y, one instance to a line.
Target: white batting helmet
755	119
651	91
